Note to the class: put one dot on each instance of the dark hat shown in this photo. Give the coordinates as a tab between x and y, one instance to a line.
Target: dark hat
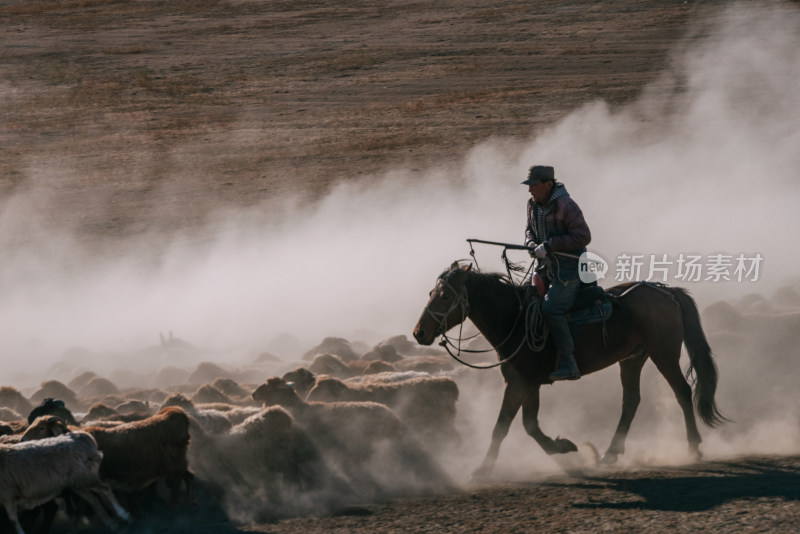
540	173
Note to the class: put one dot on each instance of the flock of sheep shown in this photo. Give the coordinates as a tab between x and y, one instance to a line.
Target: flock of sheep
342	425
339	430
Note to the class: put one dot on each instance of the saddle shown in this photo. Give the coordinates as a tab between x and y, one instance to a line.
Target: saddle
592	305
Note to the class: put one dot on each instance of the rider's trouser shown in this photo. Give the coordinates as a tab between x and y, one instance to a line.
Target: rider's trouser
559	299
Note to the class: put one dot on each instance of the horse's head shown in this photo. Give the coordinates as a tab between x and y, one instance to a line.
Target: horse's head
447	307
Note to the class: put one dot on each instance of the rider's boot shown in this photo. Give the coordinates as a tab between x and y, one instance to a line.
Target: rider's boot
567	369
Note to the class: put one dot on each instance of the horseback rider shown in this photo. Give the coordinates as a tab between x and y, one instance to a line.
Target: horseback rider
559	233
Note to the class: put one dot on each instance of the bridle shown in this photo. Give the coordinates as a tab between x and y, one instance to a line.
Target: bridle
461	299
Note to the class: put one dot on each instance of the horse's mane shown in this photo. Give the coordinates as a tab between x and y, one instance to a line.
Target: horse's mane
483	277
481	282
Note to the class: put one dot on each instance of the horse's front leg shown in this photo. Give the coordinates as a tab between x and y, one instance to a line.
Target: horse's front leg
512	400
530	418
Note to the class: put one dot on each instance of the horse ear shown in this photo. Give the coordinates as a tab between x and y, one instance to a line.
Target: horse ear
468	268
454	265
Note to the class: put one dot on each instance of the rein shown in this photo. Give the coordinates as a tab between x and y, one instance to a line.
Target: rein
534	337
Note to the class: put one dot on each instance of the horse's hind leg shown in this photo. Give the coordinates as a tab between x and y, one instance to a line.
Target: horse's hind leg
630	372
667	363
512	400
530	418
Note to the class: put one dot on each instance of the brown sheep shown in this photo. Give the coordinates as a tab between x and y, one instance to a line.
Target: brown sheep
427	404
78	383
54	389
301	379
378	366
148	395
331	364
426	363
98	386
45	426
212	421
363	440
11	398
134	406
16	427
169	377
209	393
282	471
213	414
386	353
230	388
7	414
239	414
180	400
206	372
137	454
333	345
402	345
100	411
263	443
109	400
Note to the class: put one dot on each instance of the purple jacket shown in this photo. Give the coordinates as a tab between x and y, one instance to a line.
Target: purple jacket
559	223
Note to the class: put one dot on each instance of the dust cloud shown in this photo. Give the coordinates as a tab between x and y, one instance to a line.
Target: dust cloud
704	162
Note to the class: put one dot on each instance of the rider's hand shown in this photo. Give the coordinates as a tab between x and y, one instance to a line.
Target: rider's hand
540	251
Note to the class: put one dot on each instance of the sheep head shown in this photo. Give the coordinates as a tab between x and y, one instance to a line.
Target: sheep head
276	391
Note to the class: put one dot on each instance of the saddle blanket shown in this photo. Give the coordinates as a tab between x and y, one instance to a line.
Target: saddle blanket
593	312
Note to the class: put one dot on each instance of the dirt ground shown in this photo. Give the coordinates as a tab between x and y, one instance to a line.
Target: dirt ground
745	495
148	116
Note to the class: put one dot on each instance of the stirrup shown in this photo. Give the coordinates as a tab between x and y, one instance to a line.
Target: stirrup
566	370
555	376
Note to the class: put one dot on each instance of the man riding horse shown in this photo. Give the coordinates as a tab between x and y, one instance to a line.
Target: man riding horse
559	233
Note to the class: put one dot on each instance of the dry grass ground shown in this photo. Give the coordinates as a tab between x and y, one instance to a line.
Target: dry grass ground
147	115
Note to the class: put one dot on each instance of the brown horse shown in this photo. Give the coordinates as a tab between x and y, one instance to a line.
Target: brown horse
648	321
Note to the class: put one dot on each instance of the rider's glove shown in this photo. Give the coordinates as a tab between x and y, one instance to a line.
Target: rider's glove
540	251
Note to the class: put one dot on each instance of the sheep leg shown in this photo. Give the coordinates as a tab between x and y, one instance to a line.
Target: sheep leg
174	485
98	504
512	400
11	511
97	507
113	503
188	478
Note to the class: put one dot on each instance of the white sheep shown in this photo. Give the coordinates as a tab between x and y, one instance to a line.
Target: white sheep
35	472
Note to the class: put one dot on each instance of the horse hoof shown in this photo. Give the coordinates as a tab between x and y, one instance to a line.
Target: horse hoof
480	475
609	458
563	446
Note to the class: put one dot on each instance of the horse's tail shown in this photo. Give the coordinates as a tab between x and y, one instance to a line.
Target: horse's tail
701	360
